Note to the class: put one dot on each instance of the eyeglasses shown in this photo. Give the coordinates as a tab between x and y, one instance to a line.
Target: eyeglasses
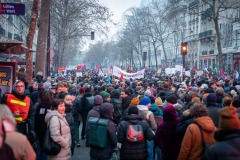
19	86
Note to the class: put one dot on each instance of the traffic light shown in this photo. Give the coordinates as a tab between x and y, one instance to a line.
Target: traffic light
92	35
184	48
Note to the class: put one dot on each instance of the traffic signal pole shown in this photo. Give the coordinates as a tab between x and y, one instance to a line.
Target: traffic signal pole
184	66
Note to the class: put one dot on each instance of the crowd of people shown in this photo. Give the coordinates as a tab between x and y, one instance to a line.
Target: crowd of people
186	120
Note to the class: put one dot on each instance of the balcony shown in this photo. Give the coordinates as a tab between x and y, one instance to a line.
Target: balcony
205	34
204	53
211	51
206	14
193	3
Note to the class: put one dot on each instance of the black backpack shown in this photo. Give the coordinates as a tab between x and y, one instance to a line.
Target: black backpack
6	152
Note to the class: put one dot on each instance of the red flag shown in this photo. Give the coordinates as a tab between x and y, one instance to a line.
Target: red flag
235	64
121	78
128	70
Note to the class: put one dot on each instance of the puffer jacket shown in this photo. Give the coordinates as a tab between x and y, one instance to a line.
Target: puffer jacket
227	147
192	142
64	139
155	110
213	113
106	111
134	151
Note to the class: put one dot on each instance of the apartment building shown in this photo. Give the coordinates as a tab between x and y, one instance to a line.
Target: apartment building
201	37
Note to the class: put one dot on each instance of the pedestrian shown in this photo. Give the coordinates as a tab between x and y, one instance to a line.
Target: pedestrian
131	150
59	129
227	136
96	153
192	147
211	102
19	143
106	96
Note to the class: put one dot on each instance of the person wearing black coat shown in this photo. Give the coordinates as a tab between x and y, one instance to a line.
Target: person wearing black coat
96	153
212	107
130	150
117	105
228	137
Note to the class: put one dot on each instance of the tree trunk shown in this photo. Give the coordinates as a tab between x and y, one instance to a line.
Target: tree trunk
155	55
42	37
30	37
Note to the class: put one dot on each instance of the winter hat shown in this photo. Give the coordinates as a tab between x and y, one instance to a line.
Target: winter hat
169	113
106	110
81	90
228	118
236	103
148	93
195	89
154	91
211	98
134	101
158	101
132	110
171	99
198	110
166	85
98	100
145	100
104	94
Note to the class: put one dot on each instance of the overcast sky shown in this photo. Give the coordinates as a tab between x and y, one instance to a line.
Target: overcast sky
118	7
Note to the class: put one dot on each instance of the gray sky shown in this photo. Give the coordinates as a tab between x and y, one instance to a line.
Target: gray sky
118	7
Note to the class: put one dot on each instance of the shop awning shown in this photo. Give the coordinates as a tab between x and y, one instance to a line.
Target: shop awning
13	47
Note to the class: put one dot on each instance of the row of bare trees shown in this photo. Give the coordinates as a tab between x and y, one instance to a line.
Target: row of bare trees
158	28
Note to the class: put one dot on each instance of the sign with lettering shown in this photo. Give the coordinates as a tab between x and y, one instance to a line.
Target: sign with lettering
12	8
7	76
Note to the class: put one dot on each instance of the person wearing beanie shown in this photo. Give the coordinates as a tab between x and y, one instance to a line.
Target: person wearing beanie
227	136
81	92
148	93
173	100
106	96
163	94
159	103
106	111
130	150
117	105
191	147
94	112
148	116
166	137
134	101
211	103
154	108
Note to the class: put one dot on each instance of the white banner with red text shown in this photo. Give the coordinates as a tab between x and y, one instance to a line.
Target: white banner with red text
137	75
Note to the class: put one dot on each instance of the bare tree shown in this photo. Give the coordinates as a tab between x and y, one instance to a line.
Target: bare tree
30	37
42	37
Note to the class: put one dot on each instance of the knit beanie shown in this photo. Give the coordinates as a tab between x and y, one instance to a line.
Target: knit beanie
104	94
158	101
148	93
134	101
132	110
169	113
98	100
228	118
171	99
166	85
81	90
211	99
145	100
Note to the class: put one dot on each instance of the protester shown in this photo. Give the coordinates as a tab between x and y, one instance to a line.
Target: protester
132	150
19	143
211	102
59	129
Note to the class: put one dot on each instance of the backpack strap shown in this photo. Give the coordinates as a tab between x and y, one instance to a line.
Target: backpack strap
59	124
202	137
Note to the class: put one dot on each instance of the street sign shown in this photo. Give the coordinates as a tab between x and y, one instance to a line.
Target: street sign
12	8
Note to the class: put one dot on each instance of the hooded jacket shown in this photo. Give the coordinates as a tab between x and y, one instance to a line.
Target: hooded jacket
63	138
133	151
192	142
106	111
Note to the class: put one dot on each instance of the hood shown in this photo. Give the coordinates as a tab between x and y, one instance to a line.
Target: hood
115	93
133	118
51	113
206	123
178	106
169	114
142	107
153	108
106	110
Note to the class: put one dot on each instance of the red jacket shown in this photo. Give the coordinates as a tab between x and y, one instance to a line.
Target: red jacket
17	105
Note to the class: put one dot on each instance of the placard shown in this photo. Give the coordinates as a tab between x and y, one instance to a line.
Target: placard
7	76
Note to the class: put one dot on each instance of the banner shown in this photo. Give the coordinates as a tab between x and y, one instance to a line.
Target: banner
7	76
137	75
